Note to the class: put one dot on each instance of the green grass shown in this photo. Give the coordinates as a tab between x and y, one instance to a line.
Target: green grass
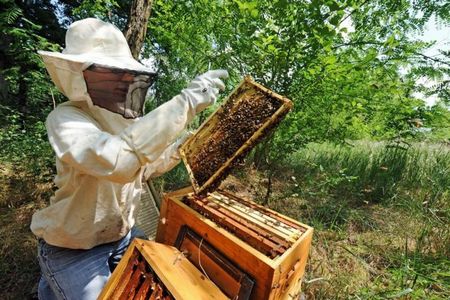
381	215
376	172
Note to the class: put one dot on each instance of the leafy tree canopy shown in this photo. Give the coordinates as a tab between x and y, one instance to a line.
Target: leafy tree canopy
350	66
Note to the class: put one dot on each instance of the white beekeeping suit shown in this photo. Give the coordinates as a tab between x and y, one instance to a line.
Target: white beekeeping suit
102	147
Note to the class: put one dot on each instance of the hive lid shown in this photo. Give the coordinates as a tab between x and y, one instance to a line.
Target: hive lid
245	117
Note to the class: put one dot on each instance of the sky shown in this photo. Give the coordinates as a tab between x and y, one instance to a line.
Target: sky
440	33
433	32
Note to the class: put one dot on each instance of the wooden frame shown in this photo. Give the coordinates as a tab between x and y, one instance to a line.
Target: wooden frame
233	282
162	268
210	132
275	278
248	250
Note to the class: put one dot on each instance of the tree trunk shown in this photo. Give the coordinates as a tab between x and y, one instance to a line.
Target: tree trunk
135	32
137	25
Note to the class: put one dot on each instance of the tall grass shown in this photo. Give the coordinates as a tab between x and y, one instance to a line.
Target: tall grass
378	196
378	172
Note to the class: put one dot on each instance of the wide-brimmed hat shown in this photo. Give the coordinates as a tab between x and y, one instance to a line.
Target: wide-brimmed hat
92	41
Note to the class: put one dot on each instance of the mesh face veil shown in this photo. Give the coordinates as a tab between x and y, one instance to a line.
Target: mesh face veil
118	90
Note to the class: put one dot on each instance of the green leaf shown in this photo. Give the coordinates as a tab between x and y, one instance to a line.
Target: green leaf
329	60
335	20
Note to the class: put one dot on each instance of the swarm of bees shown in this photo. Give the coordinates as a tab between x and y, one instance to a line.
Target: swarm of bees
246	111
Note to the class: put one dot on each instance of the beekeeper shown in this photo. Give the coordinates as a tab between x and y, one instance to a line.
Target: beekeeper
103	144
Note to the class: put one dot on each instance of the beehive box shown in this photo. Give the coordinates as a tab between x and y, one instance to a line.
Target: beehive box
263	247
149	270
270	248
246	116
232	280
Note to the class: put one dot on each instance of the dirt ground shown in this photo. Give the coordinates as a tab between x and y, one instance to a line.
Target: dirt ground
20	196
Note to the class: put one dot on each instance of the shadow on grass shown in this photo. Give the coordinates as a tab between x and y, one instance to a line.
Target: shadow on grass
21	196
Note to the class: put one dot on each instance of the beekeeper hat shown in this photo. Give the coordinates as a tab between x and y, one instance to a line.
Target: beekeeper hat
91	41
88	41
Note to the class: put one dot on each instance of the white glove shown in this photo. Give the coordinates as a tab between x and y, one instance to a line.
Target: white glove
204	89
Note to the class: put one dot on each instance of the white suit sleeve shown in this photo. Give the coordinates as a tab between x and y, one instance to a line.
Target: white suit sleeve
166	162
168	159
152	134
78	141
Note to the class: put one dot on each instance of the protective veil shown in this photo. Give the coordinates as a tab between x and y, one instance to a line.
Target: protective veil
101	155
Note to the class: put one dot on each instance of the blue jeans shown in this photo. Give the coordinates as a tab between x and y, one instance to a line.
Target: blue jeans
79	274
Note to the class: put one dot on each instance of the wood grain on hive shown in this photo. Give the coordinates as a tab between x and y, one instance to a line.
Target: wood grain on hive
271	248
150	270
246	116
231	280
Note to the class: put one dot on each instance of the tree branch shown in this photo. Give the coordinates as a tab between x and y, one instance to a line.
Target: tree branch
361	43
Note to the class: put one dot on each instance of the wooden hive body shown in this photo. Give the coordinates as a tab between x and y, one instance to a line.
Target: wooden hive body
271	248
150	270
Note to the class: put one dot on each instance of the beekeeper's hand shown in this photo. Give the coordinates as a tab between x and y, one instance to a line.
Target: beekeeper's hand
179	142
204	89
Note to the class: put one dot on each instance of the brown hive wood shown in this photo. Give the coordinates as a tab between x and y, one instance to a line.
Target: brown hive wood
232	247
150	270
271	249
